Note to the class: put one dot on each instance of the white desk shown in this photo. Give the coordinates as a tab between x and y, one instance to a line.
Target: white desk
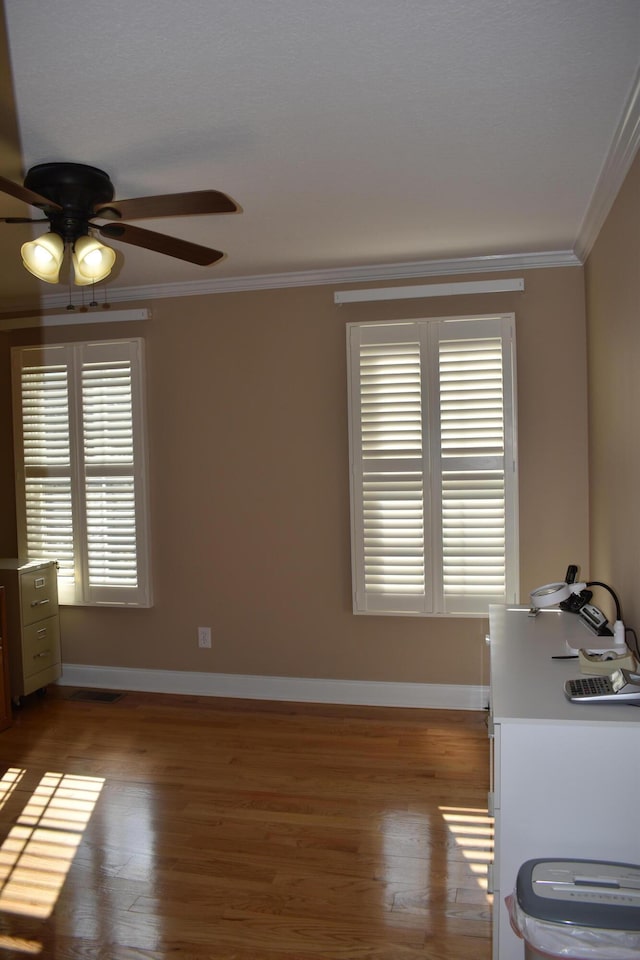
565	776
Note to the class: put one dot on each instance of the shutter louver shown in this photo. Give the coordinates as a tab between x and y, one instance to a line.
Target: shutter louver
109	482
47	466
472	465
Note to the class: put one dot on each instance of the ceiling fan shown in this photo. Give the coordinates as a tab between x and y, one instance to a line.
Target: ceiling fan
73	195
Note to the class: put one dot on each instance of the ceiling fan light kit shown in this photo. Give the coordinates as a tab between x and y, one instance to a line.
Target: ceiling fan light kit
72	195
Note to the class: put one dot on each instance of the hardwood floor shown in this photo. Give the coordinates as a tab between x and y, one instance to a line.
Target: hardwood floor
158	827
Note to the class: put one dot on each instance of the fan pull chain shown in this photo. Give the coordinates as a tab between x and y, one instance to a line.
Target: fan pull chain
68	253
83	305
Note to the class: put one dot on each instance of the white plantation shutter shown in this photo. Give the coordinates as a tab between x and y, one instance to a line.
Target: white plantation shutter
81	443
393	513
433	482
47	466
475	460
109	469
389	468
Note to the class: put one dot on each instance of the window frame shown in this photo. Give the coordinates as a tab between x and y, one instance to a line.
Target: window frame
73	358
429	333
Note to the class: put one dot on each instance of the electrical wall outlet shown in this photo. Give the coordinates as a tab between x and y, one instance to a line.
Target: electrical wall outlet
204	637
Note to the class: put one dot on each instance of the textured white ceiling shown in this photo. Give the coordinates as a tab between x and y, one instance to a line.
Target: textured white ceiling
351	132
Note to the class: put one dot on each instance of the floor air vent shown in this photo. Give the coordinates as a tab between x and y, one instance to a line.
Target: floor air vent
96	696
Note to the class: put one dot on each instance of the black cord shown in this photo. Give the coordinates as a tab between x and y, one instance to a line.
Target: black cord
598	583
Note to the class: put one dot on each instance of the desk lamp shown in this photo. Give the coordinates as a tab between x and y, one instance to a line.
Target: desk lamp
551	594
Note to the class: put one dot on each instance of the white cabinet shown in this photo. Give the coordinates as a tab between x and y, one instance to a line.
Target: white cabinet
33	623
566	776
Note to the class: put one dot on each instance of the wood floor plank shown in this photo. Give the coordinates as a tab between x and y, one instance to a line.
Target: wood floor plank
158	827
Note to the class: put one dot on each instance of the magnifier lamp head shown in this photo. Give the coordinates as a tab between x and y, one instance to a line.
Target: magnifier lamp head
550	594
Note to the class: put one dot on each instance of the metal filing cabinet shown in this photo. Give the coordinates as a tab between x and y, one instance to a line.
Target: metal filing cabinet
33	623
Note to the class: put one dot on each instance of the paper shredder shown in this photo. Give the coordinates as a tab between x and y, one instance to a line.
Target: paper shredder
582	909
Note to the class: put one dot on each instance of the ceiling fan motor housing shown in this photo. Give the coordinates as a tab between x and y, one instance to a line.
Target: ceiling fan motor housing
77	188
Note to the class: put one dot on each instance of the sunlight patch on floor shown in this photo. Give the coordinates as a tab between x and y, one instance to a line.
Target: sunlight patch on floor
19	945
39	849
473	832
10	780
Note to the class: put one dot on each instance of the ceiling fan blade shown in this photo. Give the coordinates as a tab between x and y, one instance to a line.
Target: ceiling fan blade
22	220
169	205
161	243
28	196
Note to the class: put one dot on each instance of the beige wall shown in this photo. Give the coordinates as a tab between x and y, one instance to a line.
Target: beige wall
249	484
613	314
8	542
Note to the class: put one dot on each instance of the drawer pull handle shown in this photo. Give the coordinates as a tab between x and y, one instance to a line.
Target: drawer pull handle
43	653
39	582
39	603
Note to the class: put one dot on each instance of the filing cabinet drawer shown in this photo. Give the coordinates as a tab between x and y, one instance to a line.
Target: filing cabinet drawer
39	593
41	646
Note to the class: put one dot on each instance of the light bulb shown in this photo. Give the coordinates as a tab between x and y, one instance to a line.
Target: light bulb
94	258
42	255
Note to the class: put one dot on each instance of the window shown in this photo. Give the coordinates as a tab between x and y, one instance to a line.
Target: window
81	467
433	465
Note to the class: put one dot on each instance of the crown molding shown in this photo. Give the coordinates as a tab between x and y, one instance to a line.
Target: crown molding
312	278
624	147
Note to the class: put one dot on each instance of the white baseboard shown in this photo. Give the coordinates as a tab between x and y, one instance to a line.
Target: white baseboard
295	689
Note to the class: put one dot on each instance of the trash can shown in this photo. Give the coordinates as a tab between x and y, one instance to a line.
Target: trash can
579	909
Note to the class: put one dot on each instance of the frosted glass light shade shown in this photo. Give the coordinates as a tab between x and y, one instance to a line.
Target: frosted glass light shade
92	261
43	257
